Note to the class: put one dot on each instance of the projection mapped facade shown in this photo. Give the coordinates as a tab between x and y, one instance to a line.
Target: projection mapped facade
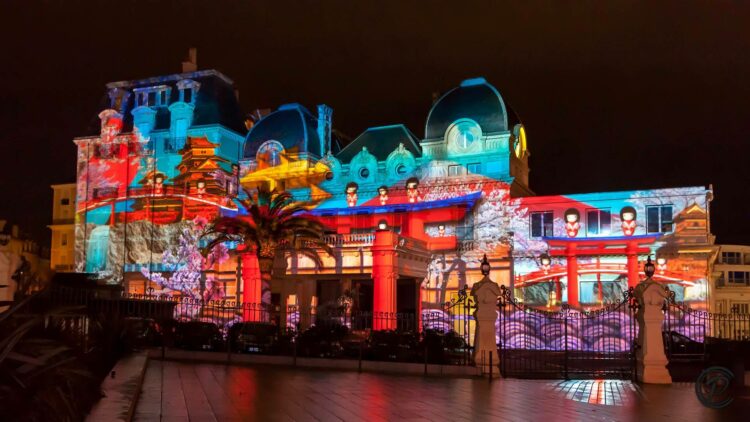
409	217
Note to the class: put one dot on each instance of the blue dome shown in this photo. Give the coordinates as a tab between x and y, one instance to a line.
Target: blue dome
292	125
474	99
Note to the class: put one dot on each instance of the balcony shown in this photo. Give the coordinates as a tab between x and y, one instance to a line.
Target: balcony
349	239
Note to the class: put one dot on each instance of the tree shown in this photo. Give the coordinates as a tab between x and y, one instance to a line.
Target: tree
275	224
187	266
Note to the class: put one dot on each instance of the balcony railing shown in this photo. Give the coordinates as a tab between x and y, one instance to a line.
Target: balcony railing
350	239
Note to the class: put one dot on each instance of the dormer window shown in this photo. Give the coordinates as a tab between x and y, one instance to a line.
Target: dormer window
155	96
188	89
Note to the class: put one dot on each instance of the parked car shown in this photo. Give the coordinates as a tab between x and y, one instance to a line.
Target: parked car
676	344
254	337
198	335
142	332
322	341
444	348
393	346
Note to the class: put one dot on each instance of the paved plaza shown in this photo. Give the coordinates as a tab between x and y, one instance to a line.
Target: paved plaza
175	391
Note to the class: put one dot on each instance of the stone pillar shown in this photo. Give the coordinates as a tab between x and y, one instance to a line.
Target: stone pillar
384	267
305	303
251	291
485	294
652	362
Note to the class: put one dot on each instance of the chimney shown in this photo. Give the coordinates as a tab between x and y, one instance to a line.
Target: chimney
324	128
191	65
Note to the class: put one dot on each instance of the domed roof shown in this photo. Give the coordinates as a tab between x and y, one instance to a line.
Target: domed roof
474	99
292	125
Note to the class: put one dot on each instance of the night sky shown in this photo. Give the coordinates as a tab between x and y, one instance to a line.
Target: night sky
614	95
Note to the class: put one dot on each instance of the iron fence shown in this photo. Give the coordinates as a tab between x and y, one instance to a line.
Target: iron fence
567	343
442	336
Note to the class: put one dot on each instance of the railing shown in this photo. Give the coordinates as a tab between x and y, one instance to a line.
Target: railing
411	243
439	336
466	245
350	239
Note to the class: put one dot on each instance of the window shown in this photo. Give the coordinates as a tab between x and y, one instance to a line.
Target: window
741	308
64	240
454	170
188	95
364	172
151	98
734	258
541	224
598	222
401	169
65	201
659	219
474	168
738	277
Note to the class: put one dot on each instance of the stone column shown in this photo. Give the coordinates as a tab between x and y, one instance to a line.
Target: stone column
652	362
485	294
251	289
306	303
384	276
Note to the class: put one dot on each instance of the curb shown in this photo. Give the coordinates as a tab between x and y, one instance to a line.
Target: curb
319	363
121	393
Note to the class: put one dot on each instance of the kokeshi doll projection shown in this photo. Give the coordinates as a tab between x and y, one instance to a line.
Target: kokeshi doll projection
351	194
383	195
412	190
627	217
159	185
572	225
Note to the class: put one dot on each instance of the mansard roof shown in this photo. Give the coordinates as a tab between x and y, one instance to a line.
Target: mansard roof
215	101
380	142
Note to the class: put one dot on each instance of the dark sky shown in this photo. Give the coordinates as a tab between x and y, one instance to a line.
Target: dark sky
614	95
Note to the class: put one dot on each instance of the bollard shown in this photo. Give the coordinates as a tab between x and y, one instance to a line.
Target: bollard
294	352
490	366
359	368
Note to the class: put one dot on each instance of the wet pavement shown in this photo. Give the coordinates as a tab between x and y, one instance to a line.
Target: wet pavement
175	391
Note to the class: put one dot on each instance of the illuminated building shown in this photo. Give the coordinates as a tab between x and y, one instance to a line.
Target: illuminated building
16	250
62	227
730	290
410	217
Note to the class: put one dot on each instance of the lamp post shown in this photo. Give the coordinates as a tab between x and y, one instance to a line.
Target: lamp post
649	268
485	266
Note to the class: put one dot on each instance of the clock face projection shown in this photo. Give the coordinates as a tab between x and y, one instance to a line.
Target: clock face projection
519	141
270	153
464	133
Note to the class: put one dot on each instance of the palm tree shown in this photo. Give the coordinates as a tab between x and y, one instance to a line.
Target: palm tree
275	224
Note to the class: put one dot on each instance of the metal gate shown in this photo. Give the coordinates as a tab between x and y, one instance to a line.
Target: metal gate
567	343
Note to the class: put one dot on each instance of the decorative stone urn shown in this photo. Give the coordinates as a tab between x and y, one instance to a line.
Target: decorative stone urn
485	294
652	362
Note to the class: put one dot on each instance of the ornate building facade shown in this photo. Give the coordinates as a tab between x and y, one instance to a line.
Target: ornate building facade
410	217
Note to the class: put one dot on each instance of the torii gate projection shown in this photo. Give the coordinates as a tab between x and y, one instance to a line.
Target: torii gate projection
571	249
